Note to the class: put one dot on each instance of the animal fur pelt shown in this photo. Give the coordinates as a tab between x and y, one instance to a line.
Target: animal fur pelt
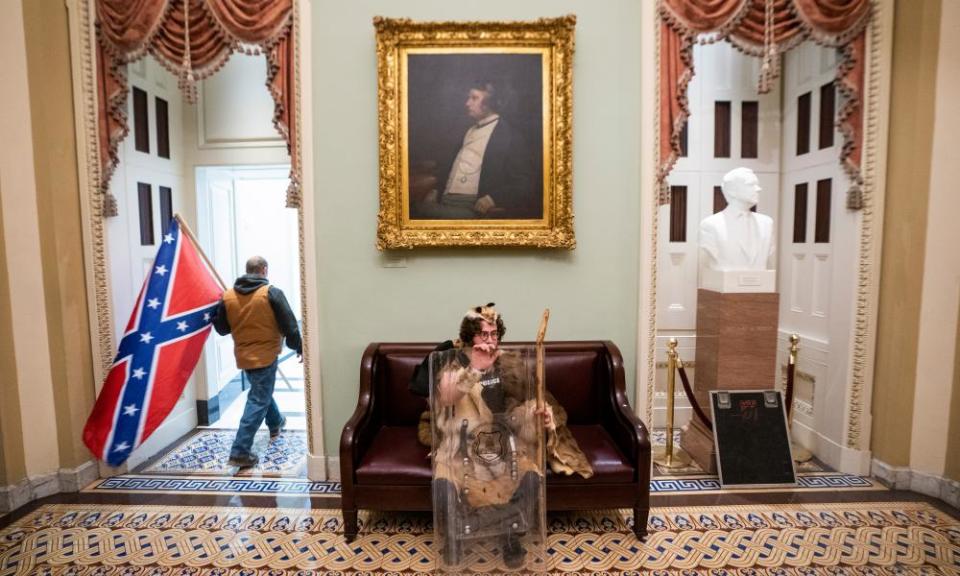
564	455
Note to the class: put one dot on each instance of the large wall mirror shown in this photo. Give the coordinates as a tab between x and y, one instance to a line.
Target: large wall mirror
780	113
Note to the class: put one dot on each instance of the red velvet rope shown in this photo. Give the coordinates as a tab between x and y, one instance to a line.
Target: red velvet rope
693	399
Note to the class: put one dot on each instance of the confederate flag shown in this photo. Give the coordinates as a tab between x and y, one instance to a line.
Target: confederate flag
158	351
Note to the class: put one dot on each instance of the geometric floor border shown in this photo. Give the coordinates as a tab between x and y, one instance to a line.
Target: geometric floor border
132	483
805	482
190	484
785	539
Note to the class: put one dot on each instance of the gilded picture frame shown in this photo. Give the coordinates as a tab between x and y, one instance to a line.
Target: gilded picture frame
475	124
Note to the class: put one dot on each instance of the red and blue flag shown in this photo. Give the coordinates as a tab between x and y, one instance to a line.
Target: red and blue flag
158	351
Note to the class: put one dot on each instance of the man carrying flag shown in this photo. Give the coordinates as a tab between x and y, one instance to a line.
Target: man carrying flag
158	350
258	316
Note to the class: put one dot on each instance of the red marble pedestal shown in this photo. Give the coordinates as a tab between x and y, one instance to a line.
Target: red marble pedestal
736	350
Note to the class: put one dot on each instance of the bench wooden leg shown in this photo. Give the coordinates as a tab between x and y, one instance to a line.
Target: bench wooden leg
640	516
350	527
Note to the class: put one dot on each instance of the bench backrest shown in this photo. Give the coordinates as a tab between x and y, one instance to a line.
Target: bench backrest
578	374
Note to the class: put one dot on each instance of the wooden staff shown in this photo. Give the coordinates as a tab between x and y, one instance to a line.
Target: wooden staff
541	372
186	230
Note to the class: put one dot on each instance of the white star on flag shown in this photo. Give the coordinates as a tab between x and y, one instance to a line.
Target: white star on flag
158	350
206	316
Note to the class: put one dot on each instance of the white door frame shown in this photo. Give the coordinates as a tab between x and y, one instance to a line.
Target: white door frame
100	313
861	340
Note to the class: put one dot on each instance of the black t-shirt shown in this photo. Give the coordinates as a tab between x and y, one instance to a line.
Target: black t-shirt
493	392
420	381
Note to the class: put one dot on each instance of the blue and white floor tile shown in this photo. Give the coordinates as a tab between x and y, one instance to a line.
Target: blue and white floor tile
207	451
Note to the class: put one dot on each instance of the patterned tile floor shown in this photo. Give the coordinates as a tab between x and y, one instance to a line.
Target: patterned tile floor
879	538
206	452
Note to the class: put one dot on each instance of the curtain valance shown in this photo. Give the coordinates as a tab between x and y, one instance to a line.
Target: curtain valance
192	39
766	29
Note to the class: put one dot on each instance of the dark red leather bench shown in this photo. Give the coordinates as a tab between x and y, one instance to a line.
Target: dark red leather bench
384	467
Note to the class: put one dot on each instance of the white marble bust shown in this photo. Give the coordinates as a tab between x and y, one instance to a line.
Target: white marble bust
736	239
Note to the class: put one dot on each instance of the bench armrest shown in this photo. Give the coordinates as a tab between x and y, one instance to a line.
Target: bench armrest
360	429
626	428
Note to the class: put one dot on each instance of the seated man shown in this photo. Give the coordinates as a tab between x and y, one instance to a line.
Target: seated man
495	173
487	476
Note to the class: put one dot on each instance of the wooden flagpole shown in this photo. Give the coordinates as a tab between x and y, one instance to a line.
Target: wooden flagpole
186	230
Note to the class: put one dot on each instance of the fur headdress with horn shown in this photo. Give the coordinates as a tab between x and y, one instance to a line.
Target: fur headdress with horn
473	319
488	313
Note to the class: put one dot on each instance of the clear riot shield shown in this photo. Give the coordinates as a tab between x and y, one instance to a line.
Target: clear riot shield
488	463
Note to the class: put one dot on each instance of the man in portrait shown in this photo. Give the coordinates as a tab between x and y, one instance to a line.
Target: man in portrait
492	175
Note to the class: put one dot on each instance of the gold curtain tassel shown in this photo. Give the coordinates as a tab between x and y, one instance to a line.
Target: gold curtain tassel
187	79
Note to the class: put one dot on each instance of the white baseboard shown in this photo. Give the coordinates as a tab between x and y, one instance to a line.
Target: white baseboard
833	454
28	490
681	415
325	468
36	487
855	461
14	496
76	479
333	468
43	486
317	467
903	478
896	477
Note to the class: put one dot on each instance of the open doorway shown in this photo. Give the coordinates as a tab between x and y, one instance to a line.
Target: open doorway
790	139
224	167
241	212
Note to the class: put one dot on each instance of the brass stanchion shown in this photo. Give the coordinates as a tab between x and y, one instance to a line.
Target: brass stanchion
697	410
668	457
800	454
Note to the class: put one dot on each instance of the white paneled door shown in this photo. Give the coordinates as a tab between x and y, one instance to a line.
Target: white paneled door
149	187
243	213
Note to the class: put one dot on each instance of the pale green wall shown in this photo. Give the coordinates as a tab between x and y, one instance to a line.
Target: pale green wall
591	291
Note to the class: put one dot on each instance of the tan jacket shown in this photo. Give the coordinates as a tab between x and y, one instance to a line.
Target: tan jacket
256	336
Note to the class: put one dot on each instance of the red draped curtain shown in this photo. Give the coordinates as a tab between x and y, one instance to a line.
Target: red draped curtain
192	39
763	28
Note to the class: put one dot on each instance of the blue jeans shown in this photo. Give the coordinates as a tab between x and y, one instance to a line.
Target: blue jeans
260	404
